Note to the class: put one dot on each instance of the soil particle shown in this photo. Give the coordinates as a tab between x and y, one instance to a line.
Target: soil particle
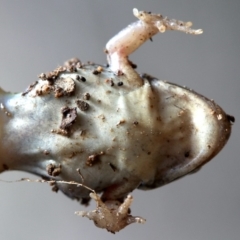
120	84
73	62
135	123
95	72
45	89
99	69
51	76
83	106
93	159
70	65
219	117
43	76
54	187
120	122
64	87
60	131
110	81
46	152
86	96
78	77
58	93
53	170
102	117
69	116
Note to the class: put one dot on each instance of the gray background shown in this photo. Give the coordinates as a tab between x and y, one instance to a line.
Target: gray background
37	36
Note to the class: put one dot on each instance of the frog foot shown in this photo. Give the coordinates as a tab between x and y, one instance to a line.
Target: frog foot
163	23
111	215
133	36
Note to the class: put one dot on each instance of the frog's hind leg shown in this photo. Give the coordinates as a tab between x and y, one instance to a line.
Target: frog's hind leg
113	207
111	215
133	36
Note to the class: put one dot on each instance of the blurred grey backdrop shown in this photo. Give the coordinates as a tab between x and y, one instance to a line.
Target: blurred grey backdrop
37	36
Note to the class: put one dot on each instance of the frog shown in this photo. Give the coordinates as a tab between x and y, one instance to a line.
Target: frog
101	131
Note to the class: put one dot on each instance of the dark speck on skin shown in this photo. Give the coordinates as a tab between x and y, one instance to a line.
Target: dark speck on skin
87	96
83	106
186	154
83	79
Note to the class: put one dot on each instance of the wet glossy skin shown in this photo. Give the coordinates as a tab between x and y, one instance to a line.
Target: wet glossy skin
152	135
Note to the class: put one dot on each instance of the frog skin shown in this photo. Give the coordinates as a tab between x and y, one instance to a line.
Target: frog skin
110	128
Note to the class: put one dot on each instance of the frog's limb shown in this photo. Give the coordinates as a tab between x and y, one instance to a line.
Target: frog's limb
132	37
119	190
111	215
163	23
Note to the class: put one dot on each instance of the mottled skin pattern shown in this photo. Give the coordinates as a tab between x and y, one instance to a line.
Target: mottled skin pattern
110	128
